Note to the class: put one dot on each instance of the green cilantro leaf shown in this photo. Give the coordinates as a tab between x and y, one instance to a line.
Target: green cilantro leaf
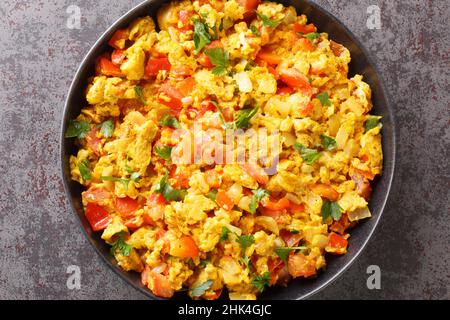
309	155
212	194
293	231
121	245
77	129
169	121
140	95
168	192
255	30
332	209
220	59
201	289
328	142
224	234
201	35
260	282
258	195
107	128
85	171
312	36
372	122
244	116
135	177
245	241
267	22
164	152
283	253
246	261
324	99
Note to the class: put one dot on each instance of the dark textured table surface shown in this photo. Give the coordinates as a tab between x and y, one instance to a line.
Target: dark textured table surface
40	238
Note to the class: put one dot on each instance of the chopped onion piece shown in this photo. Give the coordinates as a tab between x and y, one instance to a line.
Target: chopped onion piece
268	223
359	214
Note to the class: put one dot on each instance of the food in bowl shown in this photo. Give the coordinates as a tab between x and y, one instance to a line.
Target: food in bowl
229	151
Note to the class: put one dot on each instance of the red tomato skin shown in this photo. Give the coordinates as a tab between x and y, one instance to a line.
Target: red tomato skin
97	216
171	97
154	65
121	34
126	206
118	56
304	29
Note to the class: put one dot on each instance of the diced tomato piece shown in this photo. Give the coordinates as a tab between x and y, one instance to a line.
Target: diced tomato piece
182	180
296	208
107	68
204	60
97	195
134	222
213	179
341	225
216	295
186	86
182	71
156	199
185	18
304	44
170	96
118	39
97	216
337	243
224	201
366	173
325	191
304	29
279	216
158	284
271	204
93	141
285	91
297	80
269	57
184	247
256	172
291	239
249	5
274	266
228	114
154	65
307	110
299	266
117	56
273	71
126	206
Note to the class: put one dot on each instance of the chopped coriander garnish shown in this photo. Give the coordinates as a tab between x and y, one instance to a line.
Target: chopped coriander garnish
224	234
212	194
107	128
84	168
201	289
140	95
312	36
244	116
135	177
255	30
246	261
293	231
324	99
219	58
332	209
77	129
372	122
169	121
328	142
267	22
260	282
258	195
201	35
283	253
309	155
164	152
245	241
168	192
121	245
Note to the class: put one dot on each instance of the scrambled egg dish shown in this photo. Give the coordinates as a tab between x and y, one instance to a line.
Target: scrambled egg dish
211	227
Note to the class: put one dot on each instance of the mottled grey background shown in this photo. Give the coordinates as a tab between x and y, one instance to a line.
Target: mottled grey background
39	236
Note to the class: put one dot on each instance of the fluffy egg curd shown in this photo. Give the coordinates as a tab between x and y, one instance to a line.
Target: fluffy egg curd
212	228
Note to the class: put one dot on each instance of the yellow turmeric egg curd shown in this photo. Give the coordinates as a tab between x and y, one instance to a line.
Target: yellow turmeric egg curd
227	152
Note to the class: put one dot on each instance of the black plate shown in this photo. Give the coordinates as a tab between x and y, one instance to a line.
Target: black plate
361	64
